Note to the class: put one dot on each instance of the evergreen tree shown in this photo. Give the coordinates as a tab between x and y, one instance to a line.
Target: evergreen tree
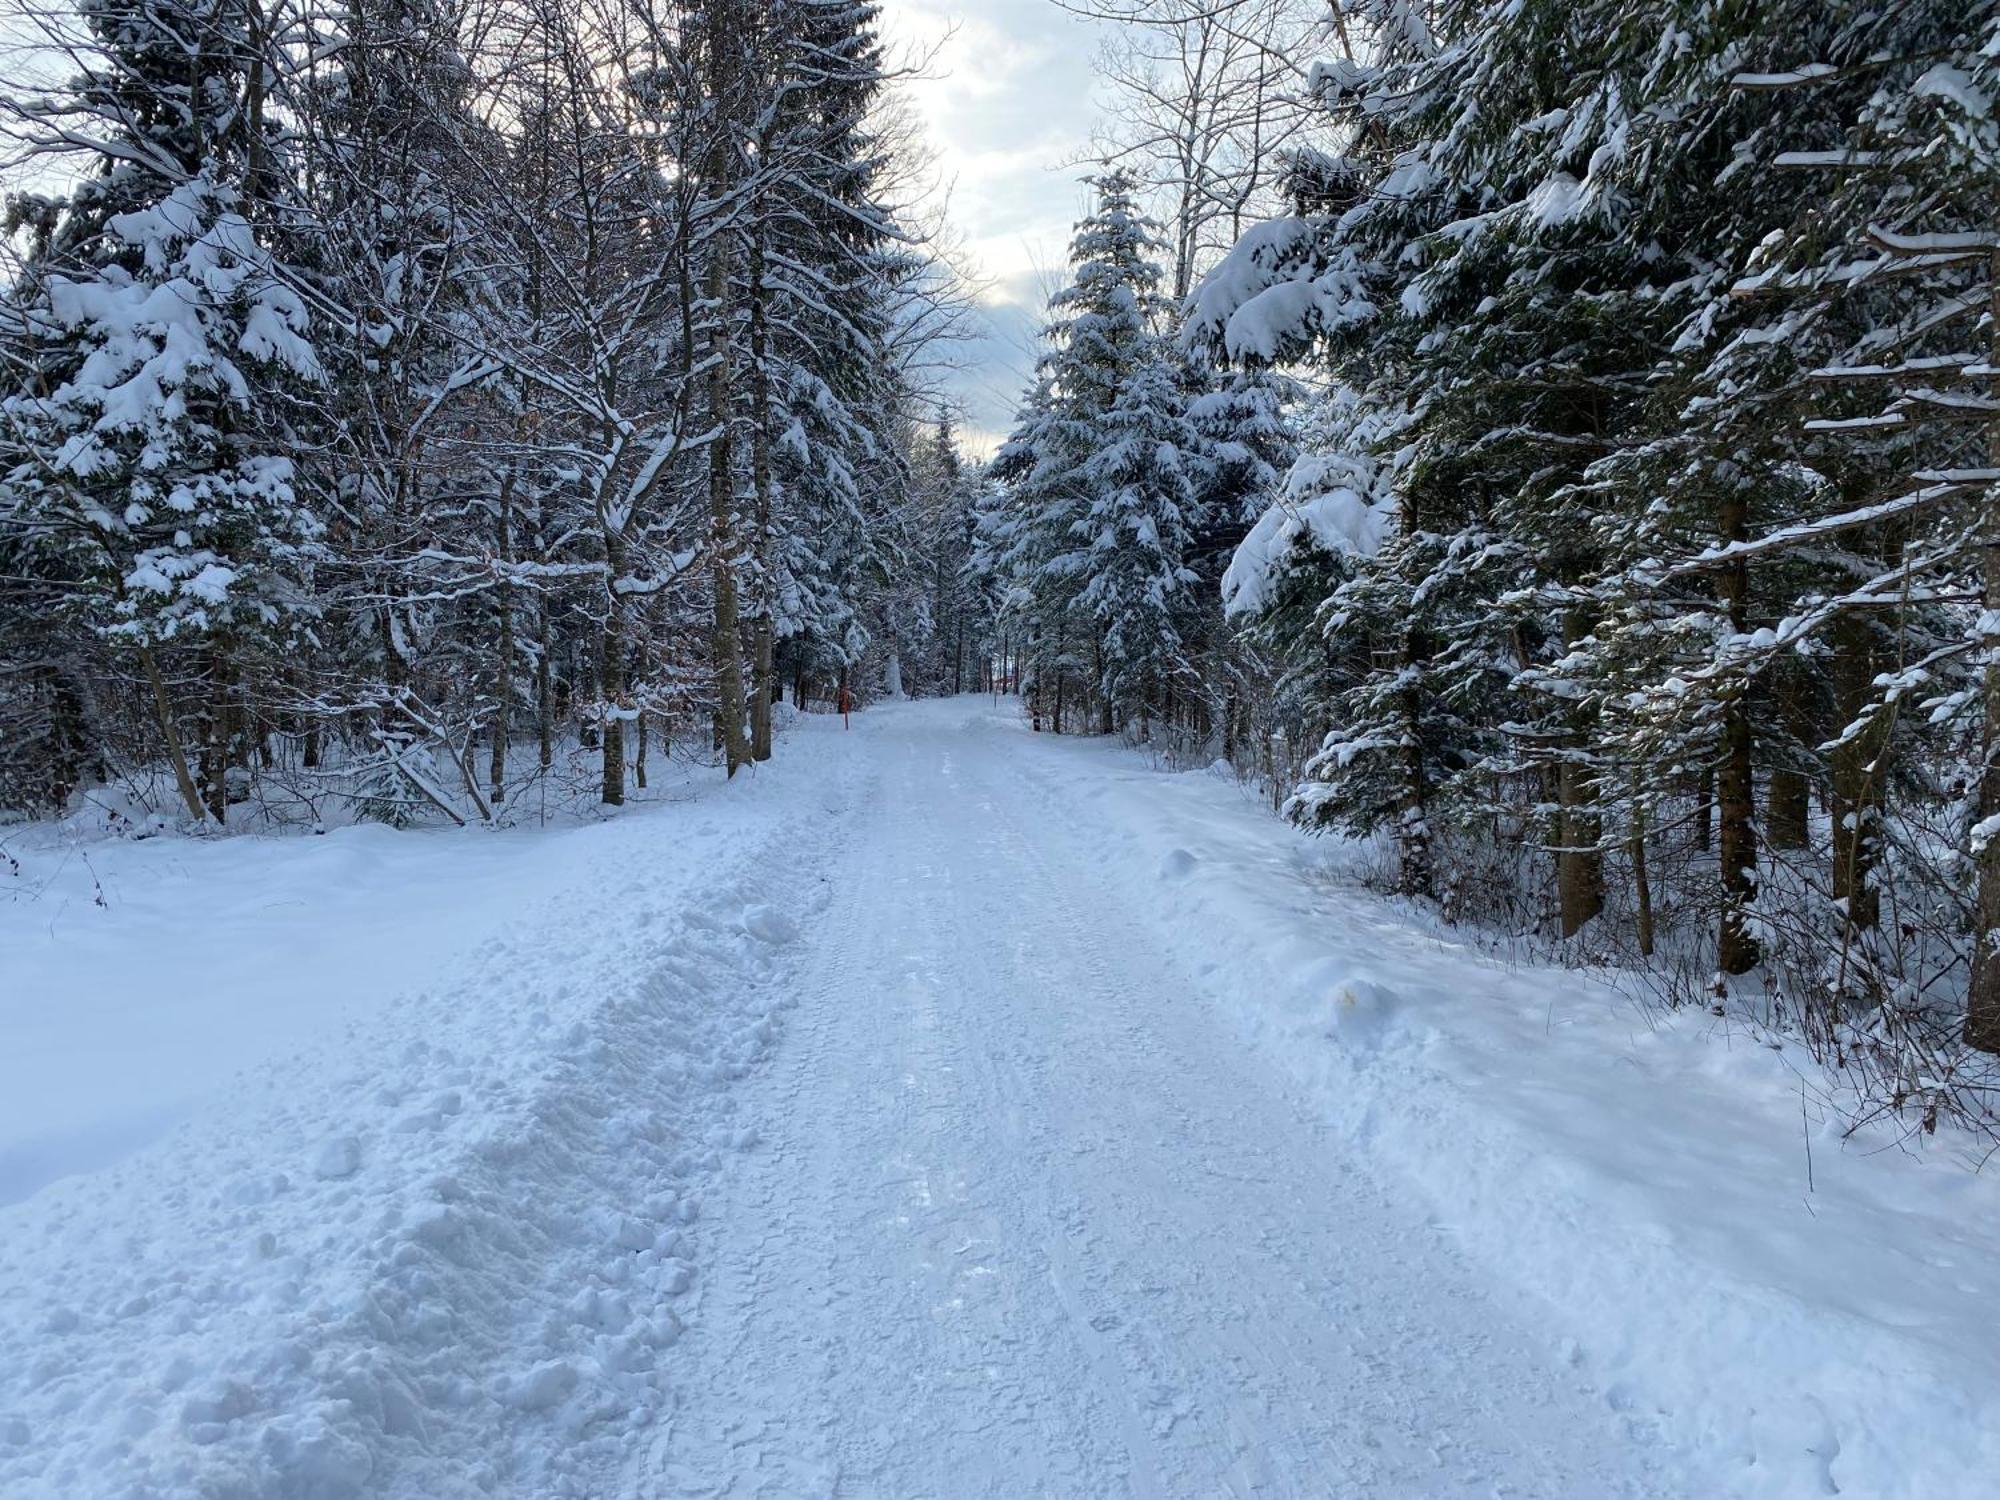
160	345
823	258
1087	477
1143	483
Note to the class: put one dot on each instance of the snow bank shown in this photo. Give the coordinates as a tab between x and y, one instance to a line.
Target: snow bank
138	977
1808	1327
346	1271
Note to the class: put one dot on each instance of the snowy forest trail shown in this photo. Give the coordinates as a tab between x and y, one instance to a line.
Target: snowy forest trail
938	1111
1024	1221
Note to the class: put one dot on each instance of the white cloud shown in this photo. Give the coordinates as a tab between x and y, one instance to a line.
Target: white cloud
1008	103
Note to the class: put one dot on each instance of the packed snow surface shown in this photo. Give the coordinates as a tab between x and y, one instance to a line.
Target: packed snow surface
943	1110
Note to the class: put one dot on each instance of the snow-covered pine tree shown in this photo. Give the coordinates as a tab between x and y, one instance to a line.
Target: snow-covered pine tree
823	255
158	345
1143	482
1327	520
1889	275
1249	441
1692	701
1026	545
1336	283
1249	446
1613	296
1103	341
941	653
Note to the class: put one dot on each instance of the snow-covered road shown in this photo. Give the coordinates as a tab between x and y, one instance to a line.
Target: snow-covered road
939	1111
1025	1222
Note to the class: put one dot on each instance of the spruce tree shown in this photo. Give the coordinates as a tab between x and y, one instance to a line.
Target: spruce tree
1070	463
1143	483
161	346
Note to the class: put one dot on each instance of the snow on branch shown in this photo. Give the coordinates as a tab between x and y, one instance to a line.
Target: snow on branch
1957	245
1848	274
1789	536
1794	78
1856	424
1932	364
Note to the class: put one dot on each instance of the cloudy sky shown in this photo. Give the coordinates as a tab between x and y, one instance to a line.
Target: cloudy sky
1007	104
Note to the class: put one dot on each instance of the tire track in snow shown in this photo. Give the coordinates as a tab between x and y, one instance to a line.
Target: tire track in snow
1055	1234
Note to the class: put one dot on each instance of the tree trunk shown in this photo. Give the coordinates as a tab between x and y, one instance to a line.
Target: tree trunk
1787	809
68	740
1856	771
1413	836
1642	885
1788	799
1735	786
503	677
170	734
1982	1010
1105	722
725	639
545	702
395	673
611	679
1579	863
1736	837
215	744
764	626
